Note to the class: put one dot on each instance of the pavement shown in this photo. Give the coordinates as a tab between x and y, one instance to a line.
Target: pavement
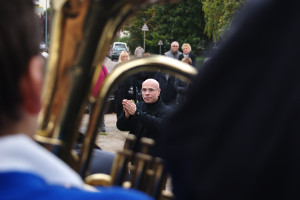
110	65
113	139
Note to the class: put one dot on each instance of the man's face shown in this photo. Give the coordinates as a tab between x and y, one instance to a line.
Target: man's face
174	47
150	91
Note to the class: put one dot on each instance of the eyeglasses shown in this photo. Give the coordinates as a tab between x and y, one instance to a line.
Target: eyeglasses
175	46
150	90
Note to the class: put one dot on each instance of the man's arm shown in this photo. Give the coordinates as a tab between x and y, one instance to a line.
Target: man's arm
123	121
123	124
147	120
151	121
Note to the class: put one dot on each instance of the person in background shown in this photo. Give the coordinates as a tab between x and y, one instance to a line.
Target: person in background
187	53
139	52
145	118
174	51
27	170
102	75
181	86
167	86
124	57
187	60
126	88
166	82
239	126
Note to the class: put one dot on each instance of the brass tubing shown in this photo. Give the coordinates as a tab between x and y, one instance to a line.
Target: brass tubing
174	67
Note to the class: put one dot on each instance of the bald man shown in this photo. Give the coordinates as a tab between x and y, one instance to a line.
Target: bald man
146	118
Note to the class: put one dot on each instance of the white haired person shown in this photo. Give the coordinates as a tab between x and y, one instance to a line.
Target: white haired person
187	53
174	51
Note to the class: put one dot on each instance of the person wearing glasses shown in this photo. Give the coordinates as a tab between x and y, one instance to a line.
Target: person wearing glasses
174	51
145	118
168	92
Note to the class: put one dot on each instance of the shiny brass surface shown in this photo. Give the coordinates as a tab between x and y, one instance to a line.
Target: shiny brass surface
98	179
82	31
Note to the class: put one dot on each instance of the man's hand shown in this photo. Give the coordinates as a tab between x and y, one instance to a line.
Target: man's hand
129	107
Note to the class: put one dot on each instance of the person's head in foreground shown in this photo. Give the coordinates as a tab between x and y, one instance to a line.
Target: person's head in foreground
27	170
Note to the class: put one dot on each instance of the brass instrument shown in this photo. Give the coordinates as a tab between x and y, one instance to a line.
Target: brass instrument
82	31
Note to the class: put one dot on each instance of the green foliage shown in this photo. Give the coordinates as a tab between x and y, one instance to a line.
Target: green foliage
134	26
218	15
197	22
183	22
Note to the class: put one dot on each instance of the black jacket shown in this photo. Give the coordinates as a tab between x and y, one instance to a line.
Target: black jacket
241	119
167	86
146	122
191	56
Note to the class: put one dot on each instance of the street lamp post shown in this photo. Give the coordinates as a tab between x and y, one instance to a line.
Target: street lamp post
160	43
145	28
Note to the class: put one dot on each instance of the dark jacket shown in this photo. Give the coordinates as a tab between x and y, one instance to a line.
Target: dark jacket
191	56
170	54
181	89
125	90
241	117
146	122
167	86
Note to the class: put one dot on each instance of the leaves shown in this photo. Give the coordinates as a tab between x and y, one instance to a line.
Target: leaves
218	15
197	22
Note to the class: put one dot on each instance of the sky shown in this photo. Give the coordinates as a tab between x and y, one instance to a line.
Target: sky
43	3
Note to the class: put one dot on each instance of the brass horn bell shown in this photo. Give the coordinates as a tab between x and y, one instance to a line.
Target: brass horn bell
82	31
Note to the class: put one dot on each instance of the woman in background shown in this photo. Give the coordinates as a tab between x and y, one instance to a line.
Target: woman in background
187	53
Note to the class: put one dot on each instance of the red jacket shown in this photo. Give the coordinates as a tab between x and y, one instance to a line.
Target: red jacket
103	73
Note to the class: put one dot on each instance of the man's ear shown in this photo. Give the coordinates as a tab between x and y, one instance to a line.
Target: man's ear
31	86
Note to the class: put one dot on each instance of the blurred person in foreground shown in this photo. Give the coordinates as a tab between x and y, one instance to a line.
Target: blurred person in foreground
241	117
28	171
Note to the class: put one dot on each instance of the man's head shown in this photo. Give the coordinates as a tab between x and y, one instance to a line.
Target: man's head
150	91
19	47
174	47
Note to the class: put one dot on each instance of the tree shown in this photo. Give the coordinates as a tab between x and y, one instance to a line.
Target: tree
183	22
134	27
218	15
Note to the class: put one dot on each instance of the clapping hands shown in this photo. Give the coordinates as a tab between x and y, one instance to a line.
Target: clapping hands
129	107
